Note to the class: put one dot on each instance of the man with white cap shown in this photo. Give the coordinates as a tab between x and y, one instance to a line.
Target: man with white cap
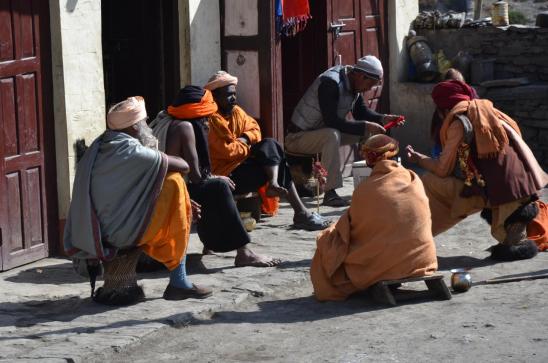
129	197
320	122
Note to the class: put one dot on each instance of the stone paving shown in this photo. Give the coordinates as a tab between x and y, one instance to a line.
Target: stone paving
46	313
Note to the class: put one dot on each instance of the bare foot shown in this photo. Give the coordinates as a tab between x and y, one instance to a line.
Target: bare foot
274	190
246	257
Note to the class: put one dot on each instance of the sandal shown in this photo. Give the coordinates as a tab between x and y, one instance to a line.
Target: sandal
311	222
335	201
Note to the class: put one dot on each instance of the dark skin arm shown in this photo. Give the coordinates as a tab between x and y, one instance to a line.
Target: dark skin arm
182	143
177	164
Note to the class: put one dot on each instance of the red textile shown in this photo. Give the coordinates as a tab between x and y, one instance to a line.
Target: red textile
269	205
448	93
296	9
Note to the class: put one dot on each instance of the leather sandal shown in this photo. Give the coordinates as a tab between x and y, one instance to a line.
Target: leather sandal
196	292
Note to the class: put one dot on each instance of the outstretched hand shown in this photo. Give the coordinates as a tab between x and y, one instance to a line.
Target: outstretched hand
412	155
389	118
374	128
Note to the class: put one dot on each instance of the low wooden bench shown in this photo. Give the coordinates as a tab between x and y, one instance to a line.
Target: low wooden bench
387	292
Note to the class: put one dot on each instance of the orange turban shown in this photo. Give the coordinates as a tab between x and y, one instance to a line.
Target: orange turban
126	113
192	102
379	147
220	79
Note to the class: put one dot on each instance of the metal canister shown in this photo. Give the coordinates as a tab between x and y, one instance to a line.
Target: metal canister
499	13
422	57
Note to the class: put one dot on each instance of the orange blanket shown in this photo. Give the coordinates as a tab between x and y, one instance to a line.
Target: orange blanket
385	234
225	150
537	230
166	237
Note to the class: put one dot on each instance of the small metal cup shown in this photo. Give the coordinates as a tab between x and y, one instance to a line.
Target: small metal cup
461	280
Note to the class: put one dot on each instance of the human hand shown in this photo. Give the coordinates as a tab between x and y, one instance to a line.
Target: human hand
389	118
374	128
412	155
229	181
196	211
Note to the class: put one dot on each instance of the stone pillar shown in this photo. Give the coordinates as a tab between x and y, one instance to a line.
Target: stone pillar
78	86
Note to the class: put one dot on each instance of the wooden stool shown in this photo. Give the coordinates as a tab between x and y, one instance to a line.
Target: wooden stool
385	292
250	202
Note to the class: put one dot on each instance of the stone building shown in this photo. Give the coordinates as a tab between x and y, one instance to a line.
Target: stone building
62	62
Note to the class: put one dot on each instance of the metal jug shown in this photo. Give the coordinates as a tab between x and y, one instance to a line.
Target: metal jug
422	57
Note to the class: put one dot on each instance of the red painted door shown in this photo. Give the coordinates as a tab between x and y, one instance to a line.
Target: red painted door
23	212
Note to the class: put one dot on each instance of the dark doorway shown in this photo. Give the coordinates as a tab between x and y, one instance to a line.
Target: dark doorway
141	51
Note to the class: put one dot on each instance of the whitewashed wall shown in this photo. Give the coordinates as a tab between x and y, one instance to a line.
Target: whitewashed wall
409	99
204	38
78	86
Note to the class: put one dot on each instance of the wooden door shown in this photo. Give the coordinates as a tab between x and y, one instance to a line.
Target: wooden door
23	153
362	31
251	51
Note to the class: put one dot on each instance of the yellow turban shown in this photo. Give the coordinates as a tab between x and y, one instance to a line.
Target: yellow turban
126	113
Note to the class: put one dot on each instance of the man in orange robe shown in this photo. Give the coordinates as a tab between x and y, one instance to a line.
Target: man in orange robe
485	166
384	235
238	151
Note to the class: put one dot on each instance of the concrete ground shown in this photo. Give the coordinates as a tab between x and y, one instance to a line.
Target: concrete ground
269	314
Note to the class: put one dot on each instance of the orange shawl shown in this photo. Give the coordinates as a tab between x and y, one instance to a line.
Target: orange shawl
486	121
226	151
370	244
189	111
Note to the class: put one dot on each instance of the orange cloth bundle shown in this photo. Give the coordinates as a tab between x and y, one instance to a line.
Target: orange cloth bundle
269	205
166	237
385	234
538	228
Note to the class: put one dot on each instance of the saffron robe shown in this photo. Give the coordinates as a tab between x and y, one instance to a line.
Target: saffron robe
384	235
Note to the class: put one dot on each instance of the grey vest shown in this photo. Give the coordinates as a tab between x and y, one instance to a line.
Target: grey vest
308	116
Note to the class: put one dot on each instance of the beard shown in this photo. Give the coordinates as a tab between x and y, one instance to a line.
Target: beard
147	138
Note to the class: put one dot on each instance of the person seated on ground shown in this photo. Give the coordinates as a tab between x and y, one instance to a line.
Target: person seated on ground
127	195
320	123
182	131
238	151
384	235
484	164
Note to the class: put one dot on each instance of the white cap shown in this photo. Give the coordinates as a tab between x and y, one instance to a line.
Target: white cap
370	65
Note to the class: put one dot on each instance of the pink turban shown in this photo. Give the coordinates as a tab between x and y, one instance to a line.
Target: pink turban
220	79
126	113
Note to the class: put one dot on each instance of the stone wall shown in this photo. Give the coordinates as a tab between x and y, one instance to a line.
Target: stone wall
528	105
519	51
